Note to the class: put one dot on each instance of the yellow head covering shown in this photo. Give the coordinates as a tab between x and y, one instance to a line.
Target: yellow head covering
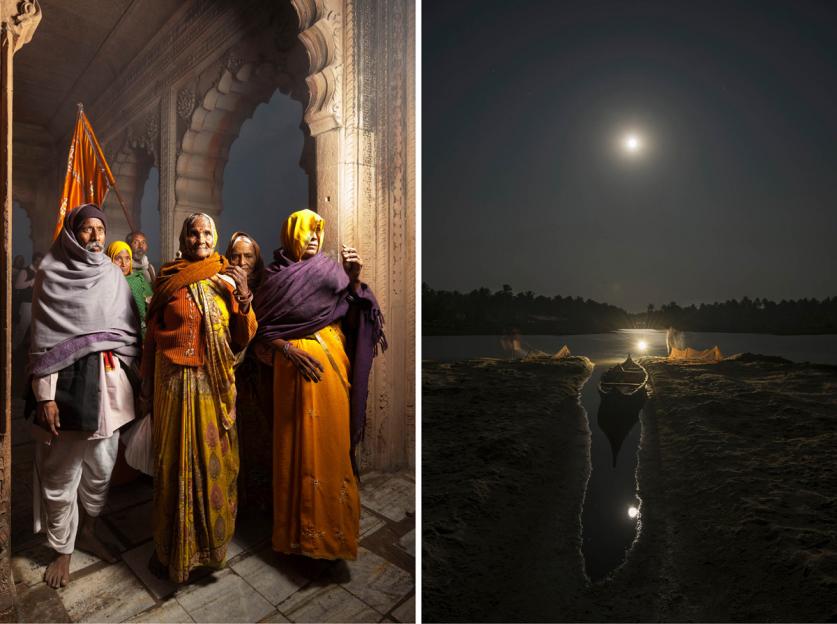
117	247
297	231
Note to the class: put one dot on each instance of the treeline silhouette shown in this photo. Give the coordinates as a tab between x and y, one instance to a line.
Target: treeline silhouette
484	312
754	316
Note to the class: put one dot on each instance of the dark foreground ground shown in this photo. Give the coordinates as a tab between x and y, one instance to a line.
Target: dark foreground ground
736	476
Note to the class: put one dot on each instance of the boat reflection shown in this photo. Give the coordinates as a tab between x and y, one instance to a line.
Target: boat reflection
616	421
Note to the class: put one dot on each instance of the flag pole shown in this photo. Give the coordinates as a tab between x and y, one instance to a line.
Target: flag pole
124	209
64	207
97	151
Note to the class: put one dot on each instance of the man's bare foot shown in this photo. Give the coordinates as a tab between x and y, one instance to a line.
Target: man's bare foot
57	573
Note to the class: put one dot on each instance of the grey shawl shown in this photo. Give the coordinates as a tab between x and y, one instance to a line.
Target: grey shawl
81	304
146	268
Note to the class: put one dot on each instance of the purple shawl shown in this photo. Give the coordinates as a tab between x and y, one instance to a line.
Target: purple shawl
296	299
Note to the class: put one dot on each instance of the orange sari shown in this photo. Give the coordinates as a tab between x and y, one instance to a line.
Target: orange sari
315	492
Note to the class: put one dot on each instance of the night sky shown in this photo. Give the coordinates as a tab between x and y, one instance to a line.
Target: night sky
526	182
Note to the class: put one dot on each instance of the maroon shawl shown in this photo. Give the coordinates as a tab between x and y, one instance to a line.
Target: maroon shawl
296	299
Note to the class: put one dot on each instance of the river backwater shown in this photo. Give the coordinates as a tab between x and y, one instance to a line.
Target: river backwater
611	507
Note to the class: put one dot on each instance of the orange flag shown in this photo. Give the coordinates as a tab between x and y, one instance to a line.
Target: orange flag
88	178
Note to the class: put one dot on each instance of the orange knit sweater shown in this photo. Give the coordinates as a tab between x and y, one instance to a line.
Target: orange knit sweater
180	333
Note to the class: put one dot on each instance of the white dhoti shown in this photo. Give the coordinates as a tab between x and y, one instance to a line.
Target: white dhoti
74	470
75	467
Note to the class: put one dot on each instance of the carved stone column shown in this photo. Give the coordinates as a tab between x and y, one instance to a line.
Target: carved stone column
361	66
18	21
321	34
168	175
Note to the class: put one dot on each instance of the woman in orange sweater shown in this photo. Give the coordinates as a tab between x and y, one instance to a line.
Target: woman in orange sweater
199	319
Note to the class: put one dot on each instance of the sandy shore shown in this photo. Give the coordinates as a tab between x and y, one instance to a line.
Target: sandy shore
504	446
736	476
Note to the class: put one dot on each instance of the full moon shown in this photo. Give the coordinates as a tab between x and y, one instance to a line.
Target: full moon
632	144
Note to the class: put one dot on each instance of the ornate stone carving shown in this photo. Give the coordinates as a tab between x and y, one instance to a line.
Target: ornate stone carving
321	35
152	127
234	63
185	102
307	12
152	135
22	25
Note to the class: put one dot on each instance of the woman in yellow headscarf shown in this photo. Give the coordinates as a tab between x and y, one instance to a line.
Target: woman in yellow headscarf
322	327
120	254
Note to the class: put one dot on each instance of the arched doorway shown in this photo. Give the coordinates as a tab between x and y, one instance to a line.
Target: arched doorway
216	121
263	180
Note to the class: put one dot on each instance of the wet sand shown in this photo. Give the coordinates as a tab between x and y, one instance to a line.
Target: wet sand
736	476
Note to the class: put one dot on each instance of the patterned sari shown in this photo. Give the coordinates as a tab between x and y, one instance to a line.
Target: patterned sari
196	446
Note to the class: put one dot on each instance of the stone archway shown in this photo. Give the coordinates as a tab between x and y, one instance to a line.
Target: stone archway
213	125
298	53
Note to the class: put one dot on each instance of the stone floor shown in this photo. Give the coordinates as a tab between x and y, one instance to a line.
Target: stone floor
255	586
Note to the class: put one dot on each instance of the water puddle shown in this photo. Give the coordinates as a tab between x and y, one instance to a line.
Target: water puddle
610	515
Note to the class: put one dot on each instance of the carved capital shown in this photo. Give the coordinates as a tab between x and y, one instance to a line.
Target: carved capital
185	102
234	63
308	12
20	19
320	23
144	134
152	126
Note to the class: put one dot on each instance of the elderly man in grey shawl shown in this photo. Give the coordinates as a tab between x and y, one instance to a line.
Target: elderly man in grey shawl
84	340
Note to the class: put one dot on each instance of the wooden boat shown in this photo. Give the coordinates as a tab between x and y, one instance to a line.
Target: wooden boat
624	383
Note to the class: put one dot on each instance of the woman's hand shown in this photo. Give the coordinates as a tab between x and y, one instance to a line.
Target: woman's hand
352	263
239	276
47	415
308	366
